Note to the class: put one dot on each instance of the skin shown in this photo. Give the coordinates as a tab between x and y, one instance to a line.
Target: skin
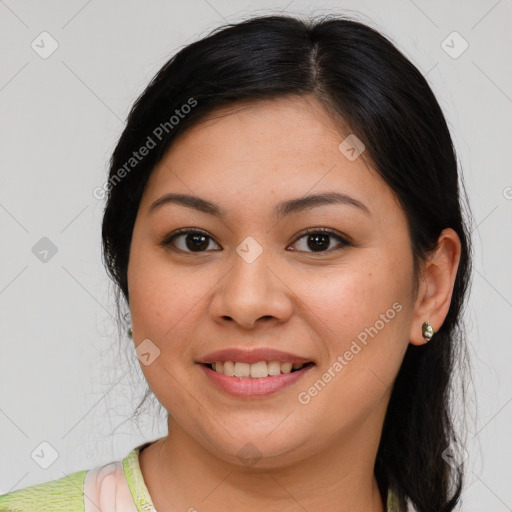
246	158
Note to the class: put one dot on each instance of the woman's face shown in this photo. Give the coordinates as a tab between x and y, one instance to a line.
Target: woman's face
255	280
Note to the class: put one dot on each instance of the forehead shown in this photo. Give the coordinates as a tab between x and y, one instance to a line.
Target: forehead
253	151
289	124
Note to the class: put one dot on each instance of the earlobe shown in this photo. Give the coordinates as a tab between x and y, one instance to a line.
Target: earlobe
435	294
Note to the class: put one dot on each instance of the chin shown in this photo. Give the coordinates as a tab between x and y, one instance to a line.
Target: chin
259	448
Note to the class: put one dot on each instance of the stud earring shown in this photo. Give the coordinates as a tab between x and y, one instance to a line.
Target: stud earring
428	331
130	332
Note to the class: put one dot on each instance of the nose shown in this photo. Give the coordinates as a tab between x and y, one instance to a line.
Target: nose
252	293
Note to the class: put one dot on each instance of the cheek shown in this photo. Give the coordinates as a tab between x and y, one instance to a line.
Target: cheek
348	300
162	310
167	304
362	325
361	316
160	294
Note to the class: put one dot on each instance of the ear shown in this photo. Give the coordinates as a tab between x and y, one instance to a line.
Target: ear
436	286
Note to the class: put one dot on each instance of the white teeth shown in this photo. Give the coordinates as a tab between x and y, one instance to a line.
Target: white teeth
274	368
242	369
228	368
286	367
257	370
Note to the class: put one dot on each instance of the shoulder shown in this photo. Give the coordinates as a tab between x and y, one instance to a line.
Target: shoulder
114	486
64	494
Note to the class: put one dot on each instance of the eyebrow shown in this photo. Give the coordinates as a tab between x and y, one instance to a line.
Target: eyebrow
280	210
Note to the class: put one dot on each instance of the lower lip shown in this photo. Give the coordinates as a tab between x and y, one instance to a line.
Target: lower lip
245	387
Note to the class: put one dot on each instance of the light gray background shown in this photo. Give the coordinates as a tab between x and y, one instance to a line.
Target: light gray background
63	380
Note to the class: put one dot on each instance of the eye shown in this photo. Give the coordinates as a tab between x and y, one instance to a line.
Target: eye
191	240
196	240
318	239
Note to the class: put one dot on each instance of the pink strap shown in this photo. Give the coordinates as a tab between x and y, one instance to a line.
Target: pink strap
106	490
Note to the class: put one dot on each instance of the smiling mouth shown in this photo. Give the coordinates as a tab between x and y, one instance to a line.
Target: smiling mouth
259	370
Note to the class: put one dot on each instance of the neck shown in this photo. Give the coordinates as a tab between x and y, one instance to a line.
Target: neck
182	474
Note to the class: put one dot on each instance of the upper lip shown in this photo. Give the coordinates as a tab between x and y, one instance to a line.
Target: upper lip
254	355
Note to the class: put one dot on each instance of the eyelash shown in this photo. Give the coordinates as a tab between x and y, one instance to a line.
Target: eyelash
344	242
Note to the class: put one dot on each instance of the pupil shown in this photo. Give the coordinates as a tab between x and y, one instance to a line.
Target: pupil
317	238
199	242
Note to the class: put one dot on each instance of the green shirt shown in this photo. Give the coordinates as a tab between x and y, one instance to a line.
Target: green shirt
114	487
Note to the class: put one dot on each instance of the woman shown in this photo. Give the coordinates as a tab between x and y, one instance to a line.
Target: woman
283	219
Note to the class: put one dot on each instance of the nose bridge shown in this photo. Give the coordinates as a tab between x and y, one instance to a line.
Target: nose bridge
251	290
251	268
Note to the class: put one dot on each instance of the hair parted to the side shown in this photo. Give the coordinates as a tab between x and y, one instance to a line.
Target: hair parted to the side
366	82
